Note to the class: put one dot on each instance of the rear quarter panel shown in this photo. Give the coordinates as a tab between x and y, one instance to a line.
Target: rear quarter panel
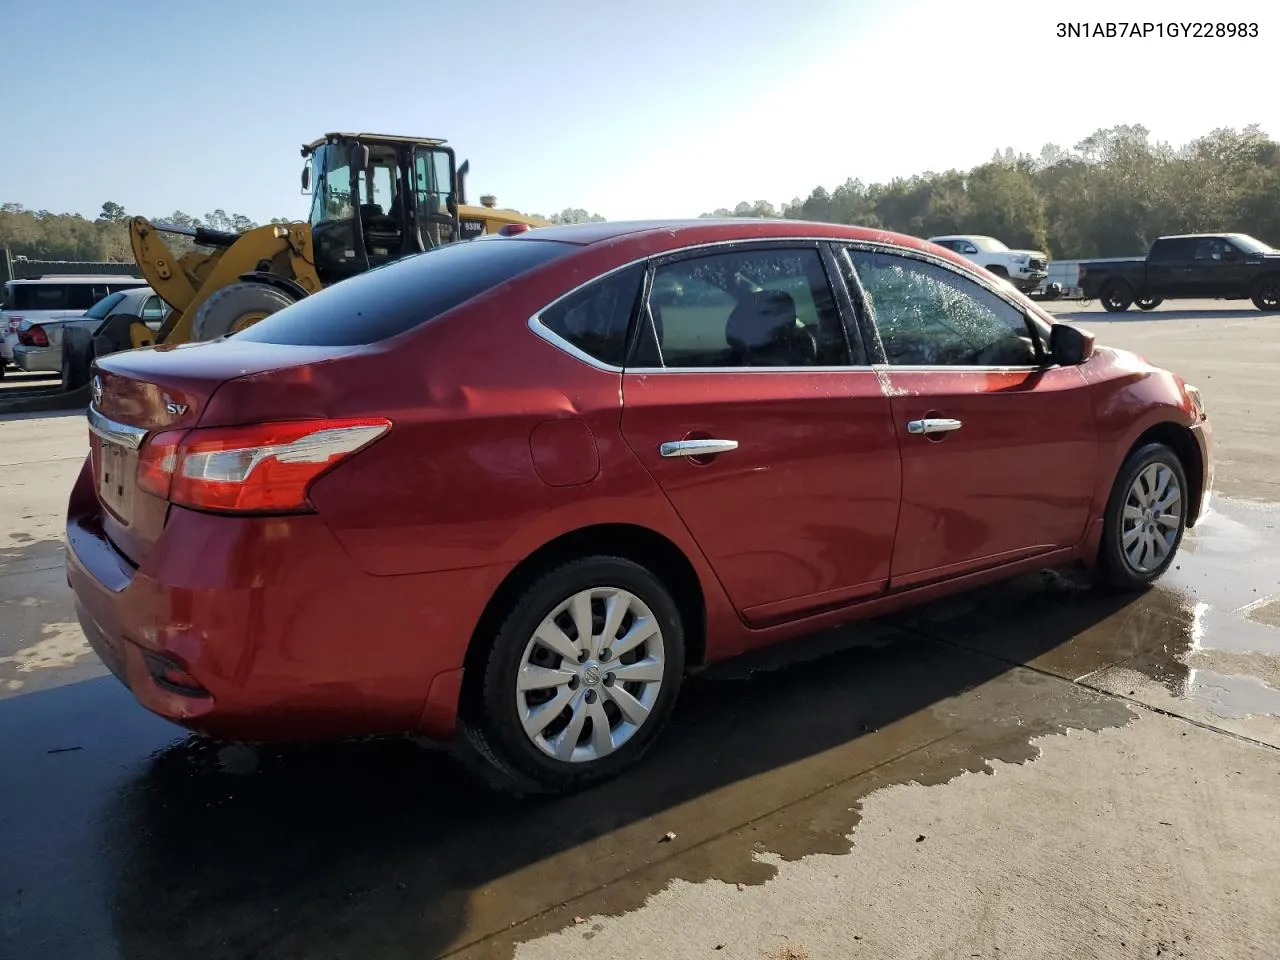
466	478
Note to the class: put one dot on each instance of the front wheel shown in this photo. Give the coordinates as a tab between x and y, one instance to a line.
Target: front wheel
579	679
1266	294
1145	519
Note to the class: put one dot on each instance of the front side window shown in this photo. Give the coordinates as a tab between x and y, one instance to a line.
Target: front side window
153	309
331	192
1214	249
928	315
746	308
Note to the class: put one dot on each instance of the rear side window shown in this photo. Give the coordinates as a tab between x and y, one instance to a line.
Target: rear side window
40	296
597	318
392	299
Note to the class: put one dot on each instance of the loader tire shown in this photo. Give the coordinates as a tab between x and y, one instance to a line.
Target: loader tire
235	307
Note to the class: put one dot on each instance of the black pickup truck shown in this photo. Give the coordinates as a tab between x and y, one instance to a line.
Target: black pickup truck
1224	266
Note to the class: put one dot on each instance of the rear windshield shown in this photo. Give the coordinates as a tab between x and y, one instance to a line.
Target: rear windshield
395	298
104	306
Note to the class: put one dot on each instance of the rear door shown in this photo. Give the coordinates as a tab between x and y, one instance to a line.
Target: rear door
999	451
1171	268
763	424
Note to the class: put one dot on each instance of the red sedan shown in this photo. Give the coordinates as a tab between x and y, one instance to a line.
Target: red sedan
510	490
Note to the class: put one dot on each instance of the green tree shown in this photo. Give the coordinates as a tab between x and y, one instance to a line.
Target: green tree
1110	195
112	212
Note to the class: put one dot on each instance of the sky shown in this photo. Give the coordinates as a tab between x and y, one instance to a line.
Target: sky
667	108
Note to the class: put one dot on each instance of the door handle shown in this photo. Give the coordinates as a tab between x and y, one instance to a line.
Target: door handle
696	448
933	426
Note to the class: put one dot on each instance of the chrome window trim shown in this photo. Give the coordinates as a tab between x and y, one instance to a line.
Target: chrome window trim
113	431
539	329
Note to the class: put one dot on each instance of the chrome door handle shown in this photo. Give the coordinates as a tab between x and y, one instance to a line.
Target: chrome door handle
933	426
696	448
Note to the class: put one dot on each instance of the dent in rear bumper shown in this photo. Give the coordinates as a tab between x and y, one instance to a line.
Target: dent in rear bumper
290	639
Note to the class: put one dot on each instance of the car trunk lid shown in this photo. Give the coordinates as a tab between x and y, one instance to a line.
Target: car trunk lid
141	399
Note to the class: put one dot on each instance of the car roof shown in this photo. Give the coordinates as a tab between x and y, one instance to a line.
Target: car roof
679	233
80	278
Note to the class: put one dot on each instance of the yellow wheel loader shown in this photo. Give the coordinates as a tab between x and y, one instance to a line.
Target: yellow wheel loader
374	199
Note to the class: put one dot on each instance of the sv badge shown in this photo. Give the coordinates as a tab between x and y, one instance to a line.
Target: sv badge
174	409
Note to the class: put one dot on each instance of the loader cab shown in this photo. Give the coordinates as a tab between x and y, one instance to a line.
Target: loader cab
378	199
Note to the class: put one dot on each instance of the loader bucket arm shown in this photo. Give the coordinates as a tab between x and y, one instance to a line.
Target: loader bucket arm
186	282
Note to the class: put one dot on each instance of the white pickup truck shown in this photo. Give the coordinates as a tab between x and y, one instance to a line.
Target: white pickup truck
1025	269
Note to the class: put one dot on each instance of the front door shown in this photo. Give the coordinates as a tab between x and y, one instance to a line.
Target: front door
1220	269
765	428
999	451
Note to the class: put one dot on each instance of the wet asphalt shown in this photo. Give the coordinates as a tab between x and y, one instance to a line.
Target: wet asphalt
123	837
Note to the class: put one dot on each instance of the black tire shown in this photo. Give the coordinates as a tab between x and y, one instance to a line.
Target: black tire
1117	297
1115	568
1266	294
493	737
224	308
77	355
1148	303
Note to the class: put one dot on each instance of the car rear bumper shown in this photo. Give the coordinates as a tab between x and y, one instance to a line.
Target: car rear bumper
269	628
37	359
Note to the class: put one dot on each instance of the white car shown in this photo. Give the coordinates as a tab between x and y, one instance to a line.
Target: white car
39	346
1025	269
37	300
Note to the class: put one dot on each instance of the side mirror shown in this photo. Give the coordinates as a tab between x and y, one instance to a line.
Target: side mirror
360	156
306	179
451	204
1070	346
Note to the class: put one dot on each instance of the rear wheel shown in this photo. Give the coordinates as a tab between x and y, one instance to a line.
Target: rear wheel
1145	519
579	680
1117	297
235	307
1266	294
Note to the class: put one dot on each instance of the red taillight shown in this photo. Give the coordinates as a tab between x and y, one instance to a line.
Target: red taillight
264	468
511	229
34	337
157	461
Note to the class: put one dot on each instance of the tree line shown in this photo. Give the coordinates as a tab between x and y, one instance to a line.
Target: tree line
1108	196
42	235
